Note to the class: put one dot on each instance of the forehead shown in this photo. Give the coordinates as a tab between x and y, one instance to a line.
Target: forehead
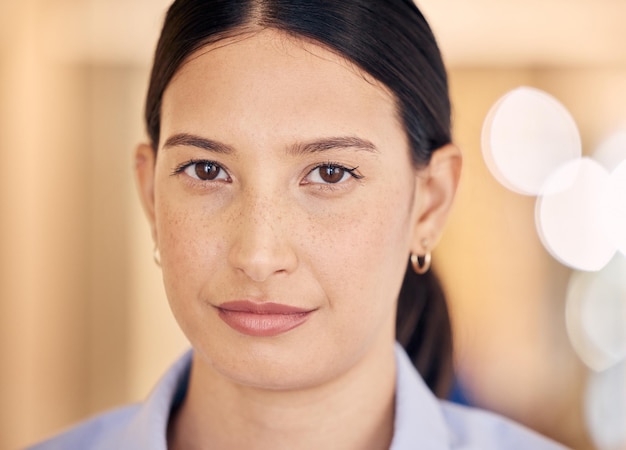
260	78
252	46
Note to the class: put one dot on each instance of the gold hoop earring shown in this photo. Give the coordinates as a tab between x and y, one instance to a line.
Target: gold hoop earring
421	264
156	255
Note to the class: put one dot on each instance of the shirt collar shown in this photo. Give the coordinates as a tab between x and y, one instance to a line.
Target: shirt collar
419	421
149	427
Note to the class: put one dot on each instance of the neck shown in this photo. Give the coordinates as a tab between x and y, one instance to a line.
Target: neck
354	411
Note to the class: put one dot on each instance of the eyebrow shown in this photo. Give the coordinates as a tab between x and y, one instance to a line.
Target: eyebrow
189	140
332	143
300	148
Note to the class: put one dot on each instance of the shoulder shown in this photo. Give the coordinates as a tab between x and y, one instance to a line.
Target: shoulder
423	421
133	427
100	432
472	428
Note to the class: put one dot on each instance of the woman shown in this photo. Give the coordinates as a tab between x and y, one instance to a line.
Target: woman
299	172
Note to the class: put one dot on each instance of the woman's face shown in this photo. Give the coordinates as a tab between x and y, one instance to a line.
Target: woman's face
285	206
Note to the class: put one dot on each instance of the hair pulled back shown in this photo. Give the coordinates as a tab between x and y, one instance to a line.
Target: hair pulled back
392	42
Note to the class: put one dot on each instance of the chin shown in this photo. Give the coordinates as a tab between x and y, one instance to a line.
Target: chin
278	366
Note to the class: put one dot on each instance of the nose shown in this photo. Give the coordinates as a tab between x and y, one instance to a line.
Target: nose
261	239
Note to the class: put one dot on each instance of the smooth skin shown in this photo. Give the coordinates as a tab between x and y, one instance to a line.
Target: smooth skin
283	175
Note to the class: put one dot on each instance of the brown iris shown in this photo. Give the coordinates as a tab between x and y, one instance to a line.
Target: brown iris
332	174
207	171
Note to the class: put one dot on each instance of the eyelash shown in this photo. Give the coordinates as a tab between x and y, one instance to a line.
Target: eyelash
352	171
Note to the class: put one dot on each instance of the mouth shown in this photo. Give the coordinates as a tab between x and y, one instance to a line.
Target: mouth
262	319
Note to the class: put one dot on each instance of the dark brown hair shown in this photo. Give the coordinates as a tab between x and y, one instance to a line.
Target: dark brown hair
392	42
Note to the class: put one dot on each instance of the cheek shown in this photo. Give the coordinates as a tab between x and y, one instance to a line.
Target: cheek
360	255
190	243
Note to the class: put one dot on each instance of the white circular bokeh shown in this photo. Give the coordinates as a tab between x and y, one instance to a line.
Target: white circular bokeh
605	408
526	136
569	216
595	314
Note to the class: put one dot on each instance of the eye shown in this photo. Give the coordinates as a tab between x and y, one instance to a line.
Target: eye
203	170
331	174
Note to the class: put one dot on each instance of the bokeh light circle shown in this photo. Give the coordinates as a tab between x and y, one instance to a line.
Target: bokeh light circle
605	408
568	216
595	314
526	136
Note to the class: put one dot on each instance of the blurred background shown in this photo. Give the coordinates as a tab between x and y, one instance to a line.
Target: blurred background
84	323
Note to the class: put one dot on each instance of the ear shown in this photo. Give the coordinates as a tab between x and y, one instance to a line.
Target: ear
435	190
145	160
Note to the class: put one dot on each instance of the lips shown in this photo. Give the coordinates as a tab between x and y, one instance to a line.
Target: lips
262	319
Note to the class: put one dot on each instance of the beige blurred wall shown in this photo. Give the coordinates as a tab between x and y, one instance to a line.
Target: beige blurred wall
80	299
40	250
84	324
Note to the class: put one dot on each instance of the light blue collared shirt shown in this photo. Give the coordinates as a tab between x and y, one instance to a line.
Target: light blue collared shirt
421	420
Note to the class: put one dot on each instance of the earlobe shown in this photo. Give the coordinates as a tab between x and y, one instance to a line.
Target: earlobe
145	159
437	185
